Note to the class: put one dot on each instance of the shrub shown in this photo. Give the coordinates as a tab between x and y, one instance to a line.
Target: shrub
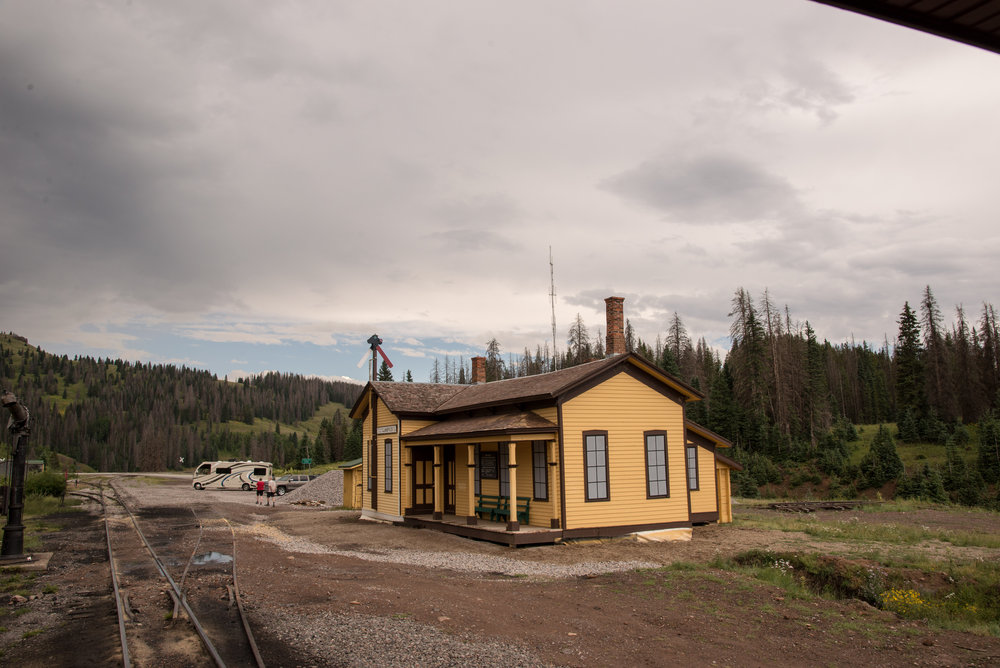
44	484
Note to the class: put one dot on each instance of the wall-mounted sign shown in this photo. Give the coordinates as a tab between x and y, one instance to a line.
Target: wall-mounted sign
391	429
488	466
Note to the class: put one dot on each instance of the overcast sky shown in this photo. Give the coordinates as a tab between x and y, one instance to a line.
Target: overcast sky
250	187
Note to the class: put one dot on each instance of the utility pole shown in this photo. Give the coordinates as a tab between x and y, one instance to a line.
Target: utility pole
552	300
13	533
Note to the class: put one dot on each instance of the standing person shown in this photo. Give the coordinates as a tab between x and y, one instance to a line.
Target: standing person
272	489
260	491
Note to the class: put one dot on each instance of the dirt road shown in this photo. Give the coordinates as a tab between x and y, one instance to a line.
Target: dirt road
327	589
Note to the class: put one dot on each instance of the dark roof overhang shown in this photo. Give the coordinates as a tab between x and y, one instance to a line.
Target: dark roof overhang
973	22
484	427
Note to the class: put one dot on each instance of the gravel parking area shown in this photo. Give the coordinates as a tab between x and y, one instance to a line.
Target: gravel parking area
324	588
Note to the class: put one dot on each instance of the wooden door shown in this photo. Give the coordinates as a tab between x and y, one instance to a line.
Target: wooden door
450	476
422	478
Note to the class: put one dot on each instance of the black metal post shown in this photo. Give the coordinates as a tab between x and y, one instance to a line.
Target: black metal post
13	533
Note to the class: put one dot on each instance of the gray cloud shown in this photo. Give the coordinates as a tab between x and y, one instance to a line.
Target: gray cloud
710	188
273	176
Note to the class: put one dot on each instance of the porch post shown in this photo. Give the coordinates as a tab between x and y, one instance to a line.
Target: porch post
438	486
470	519
512	524
555	493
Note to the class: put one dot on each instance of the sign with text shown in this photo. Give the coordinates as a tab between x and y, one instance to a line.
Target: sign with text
391	429
488	466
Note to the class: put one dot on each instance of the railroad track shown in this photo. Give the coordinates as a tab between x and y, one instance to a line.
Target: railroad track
175	585
813	506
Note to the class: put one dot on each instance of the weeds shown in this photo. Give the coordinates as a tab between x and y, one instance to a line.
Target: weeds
855	530
966	598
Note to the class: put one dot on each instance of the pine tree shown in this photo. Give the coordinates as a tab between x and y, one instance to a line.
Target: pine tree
578	345
409	376
882	463
494	361
988	460
909	365
940	394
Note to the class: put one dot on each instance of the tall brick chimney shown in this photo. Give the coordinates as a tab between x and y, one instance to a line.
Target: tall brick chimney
478	370
616	326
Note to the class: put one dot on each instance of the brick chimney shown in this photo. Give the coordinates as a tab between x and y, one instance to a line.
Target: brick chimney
478	370
616	326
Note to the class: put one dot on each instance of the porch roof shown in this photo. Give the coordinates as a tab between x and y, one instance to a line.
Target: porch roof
504	426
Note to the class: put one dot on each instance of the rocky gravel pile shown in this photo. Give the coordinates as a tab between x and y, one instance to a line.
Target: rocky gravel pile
334	639
467	562
327	489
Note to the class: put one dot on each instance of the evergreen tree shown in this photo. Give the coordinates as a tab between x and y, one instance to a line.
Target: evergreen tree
909	365
882	463
495	368
988	460
353	443
409	376
578	346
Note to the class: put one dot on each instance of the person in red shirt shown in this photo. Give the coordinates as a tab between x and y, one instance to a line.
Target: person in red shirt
260	491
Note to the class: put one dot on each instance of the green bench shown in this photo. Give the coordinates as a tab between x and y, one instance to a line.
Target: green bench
491	505
498	507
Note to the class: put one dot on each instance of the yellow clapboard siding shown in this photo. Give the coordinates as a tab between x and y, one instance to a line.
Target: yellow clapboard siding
625	408
704	500
410	425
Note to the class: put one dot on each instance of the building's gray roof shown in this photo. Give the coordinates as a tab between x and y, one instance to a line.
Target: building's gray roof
435	400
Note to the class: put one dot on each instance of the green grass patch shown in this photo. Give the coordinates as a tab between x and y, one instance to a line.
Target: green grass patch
16	583
963	597
40	506
854	530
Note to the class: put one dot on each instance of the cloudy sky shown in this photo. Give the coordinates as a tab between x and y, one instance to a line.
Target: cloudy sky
190	182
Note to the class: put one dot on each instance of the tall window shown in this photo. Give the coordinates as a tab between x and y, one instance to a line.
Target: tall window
657	484
388	464
372	466
692	467
504	470
595	456
540	471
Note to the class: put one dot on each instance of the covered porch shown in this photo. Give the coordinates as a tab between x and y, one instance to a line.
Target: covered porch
512	458
494	532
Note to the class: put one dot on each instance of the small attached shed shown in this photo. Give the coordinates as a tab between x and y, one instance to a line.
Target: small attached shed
352	483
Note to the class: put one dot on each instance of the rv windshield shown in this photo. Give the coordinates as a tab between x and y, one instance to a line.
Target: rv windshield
204	469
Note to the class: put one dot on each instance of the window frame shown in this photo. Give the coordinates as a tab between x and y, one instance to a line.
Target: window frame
372	464
539	471
665	480
605	466
692	471
388	465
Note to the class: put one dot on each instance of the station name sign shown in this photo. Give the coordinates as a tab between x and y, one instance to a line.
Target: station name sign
391	429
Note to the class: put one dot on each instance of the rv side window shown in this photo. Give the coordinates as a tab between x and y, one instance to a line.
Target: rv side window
204	469
224	469
260	471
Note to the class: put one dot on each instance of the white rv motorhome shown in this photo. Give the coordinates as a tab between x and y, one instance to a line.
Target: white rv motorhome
230	475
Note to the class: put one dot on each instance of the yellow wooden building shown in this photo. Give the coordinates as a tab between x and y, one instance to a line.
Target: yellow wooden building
599	449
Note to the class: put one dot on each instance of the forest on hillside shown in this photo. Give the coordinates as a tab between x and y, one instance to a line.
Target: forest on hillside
114	415
789	401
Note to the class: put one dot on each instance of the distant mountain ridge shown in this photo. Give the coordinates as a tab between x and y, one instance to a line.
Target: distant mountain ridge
115	415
